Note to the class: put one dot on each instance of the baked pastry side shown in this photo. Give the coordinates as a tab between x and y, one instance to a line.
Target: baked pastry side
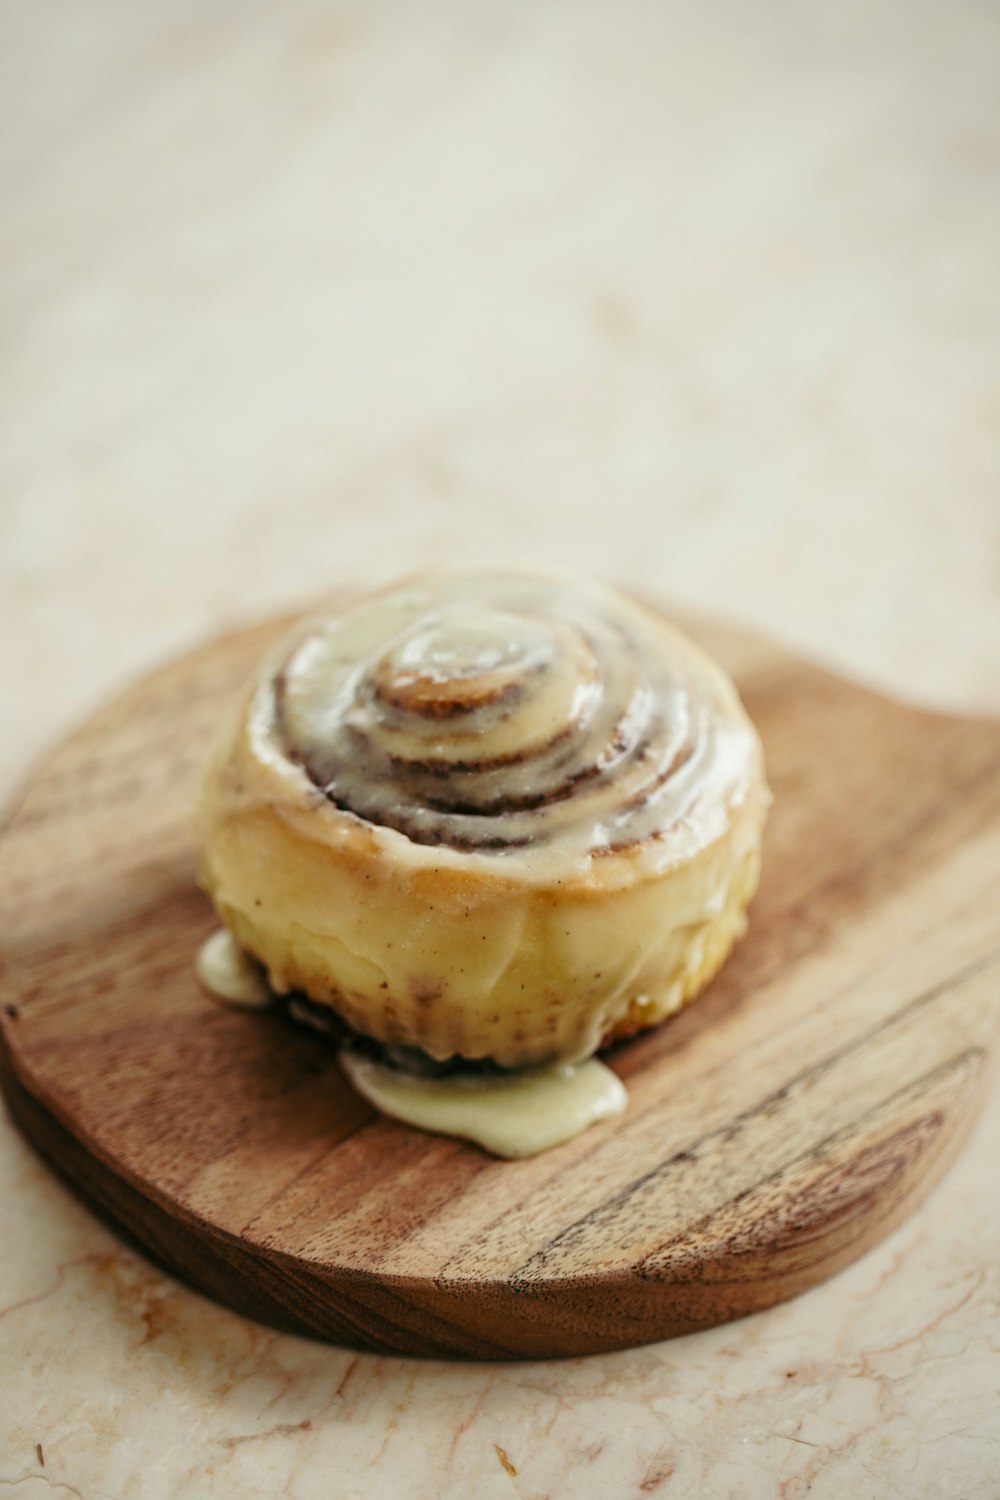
505	816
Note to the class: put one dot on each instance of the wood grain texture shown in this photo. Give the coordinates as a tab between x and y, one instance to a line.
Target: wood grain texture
776	1130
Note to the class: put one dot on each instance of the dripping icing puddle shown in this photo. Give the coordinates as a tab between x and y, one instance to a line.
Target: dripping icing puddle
229	975
511	1114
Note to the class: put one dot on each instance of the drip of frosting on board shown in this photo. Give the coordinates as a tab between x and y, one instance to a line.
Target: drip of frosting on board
510	1114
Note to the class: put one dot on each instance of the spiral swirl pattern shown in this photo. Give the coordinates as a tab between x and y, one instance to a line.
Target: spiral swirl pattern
506	713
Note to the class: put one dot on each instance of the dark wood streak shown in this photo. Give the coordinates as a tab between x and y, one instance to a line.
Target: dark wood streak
777	1129
807	1214
829	1061
616	1206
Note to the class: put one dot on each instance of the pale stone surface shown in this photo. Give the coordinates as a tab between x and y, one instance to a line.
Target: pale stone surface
698	296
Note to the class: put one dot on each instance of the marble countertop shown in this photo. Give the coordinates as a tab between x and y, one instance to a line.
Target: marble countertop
699	297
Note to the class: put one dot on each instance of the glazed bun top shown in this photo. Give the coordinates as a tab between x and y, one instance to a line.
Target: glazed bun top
537	721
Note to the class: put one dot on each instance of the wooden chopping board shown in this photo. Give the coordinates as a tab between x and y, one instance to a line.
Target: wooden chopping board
776	1130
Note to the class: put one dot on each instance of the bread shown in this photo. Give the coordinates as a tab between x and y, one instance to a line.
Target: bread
505	816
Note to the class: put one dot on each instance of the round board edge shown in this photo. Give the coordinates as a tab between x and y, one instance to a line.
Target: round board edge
413	1330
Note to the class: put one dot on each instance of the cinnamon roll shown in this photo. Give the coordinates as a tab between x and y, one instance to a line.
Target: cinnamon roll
504	816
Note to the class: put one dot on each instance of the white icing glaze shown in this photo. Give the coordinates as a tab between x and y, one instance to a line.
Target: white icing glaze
536	720
229	975
511	1115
